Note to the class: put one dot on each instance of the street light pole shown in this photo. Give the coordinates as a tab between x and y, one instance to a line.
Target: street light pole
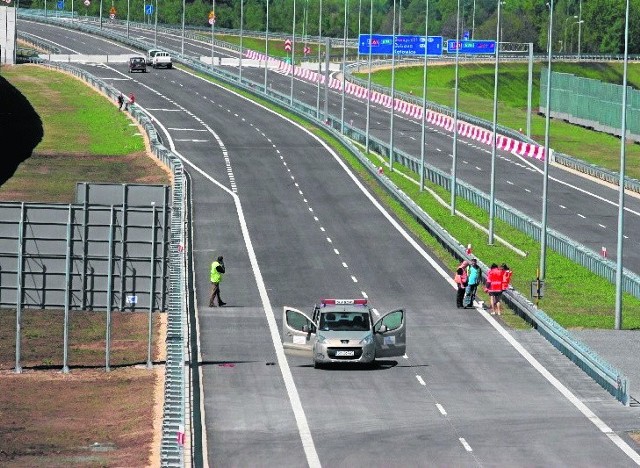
545	180
623	138
155	27
564	43
344	65
393	86
492	204
266	49
423	134
580	21
366	138
454	165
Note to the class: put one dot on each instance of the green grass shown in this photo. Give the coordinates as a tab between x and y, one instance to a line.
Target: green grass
574	297
476	97
86	138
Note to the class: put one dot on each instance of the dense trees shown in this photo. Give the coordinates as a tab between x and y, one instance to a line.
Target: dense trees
602	27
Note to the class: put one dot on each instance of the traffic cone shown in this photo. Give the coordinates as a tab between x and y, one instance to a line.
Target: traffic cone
468	251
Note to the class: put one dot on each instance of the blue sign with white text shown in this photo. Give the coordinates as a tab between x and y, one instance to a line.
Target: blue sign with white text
148	9
405	45
471	47
60	4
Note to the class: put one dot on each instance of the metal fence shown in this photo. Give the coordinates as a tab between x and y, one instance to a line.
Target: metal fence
591	103
87	256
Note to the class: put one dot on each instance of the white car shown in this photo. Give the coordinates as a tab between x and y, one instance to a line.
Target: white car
158	58
344	331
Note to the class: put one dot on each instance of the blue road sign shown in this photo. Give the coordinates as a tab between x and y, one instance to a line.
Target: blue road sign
405	45
148	9
60	4
471	47
465	35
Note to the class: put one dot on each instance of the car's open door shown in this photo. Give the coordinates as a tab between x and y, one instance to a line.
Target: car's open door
298	332
390	334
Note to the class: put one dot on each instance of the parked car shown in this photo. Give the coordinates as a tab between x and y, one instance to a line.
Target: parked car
137	64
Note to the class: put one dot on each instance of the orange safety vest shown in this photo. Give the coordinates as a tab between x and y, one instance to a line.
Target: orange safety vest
494	280
506	279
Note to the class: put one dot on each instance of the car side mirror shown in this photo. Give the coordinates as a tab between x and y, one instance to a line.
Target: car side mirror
306	328
383	328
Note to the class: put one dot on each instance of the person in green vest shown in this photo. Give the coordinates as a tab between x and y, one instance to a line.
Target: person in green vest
217	272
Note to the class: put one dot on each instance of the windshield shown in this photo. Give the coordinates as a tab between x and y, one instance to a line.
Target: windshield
344	321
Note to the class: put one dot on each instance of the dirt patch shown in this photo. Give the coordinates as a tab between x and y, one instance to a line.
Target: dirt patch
88	417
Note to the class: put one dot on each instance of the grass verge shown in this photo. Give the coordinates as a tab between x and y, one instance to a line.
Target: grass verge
88	417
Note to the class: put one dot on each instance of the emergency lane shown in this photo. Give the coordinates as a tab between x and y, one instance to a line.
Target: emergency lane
356	416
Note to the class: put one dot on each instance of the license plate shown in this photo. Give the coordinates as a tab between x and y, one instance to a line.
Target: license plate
345	353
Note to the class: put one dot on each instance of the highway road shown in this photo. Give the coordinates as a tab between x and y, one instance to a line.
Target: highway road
295	225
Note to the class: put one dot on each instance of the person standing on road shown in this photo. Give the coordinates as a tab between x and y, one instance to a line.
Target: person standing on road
217	272
460	279
120	101
473	279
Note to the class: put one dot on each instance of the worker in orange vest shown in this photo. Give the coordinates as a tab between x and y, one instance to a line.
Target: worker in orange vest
506	276
494	288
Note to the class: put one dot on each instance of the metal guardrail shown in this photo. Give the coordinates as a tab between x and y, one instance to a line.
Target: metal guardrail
174	422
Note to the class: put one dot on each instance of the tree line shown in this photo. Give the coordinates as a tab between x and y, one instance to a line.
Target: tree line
598	25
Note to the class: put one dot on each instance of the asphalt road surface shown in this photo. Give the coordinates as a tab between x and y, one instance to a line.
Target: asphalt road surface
294	226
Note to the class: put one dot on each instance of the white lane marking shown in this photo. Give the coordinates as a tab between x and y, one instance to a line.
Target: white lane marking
441	409
164	110
294	397
586	192
582	216
315	218
364	294
336	251
466	446
191	140
322	228
509	182
602	226
563	207
479	168
329	240
188	129
344	265
404	356
422	382
354	279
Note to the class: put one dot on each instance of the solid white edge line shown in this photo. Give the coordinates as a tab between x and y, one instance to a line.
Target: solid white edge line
294	398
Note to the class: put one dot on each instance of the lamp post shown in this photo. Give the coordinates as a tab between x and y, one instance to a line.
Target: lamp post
564	42
454	164
344	65
366	138
213	26
241	42
623	137
580	21
266	49
423	134
492	204
155	26
573	24
393	86
545	179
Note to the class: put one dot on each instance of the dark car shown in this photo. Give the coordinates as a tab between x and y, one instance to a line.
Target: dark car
137	64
